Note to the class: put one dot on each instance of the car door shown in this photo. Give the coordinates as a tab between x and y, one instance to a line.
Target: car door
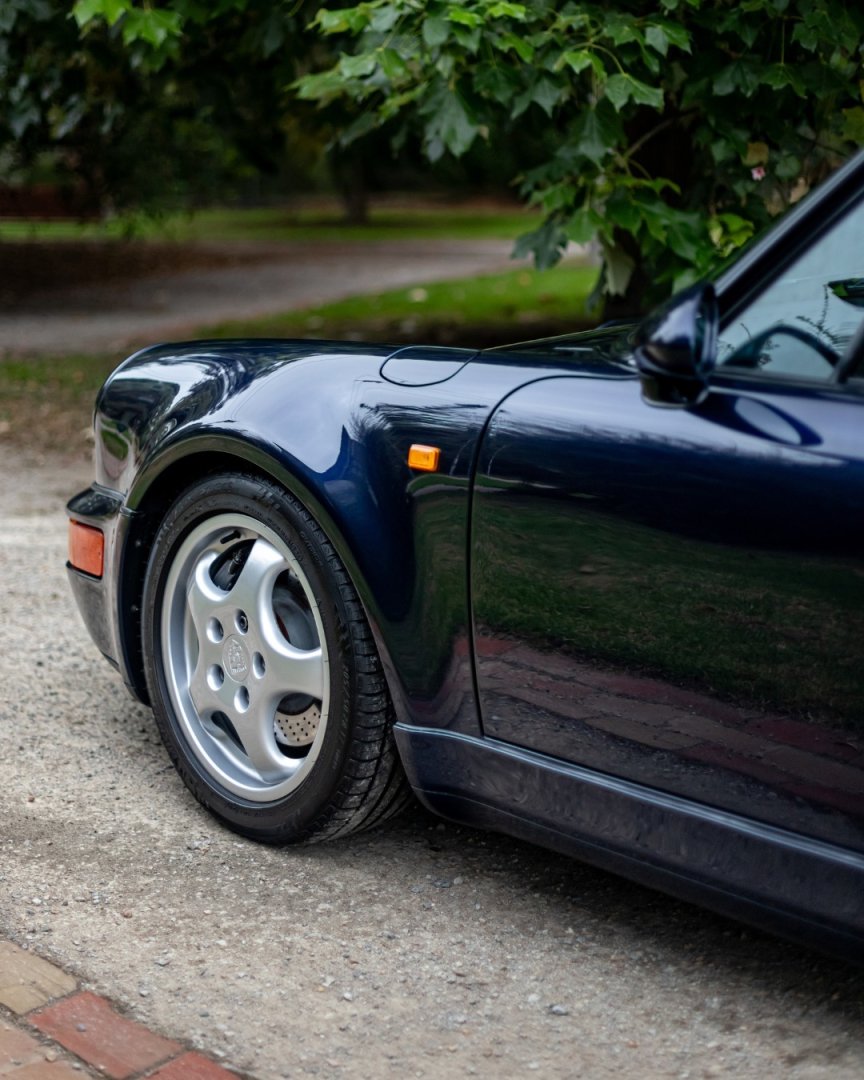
676	596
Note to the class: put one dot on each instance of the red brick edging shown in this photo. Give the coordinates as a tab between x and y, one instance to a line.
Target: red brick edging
57	1031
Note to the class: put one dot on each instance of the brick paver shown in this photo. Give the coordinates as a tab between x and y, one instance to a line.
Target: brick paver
27	981
47	1070
88	1026
191	1067
80	1034
17	1046
22	1057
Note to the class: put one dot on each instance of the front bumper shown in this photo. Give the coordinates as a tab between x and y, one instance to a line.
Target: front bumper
98	597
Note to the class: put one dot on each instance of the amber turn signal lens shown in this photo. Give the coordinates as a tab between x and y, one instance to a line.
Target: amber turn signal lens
425	458
86	548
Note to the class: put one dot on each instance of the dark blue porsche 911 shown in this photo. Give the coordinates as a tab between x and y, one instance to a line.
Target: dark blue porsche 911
604	591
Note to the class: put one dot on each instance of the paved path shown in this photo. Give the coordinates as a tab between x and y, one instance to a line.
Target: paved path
115	316
51	1029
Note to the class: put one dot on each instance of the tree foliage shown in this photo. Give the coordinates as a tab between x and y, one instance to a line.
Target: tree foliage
670	130
119	111
680	126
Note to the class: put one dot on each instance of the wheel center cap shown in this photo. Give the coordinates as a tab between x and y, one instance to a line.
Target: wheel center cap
235	658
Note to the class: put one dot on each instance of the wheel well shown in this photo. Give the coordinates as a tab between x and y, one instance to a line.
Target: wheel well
149	513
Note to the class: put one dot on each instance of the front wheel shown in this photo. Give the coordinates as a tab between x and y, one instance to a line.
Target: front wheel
262	671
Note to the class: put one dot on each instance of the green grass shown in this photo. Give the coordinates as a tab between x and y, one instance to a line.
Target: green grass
277	225
512	302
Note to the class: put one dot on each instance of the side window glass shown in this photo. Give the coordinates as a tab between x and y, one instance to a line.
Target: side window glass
800	327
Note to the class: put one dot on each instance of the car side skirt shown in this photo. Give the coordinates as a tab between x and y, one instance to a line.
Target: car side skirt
776	880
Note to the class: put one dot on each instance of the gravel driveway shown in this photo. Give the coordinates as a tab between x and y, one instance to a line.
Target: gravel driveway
422	949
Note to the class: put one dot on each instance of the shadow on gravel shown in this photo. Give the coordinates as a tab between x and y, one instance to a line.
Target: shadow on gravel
591	906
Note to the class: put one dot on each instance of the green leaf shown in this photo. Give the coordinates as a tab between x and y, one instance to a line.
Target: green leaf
583	225
464	17
505	10
740	75
595	133
384	19
113	9
155	27
788	167
85	11
617	269
621	88
778	76
271	35
435	31
555	198
618	91
622	209
729	231
392	64
323	86
621	28
546	94
647	95
806	36
546	244
449	127
345	20
469	37
22	116
684	238
658	39
522	48
497	81
357	67
677	34
580	59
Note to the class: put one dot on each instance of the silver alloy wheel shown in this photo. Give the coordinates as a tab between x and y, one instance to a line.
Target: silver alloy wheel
231	669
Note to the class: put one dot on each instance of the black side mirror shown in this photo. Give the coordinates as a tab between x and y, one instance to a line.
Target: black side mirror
675	348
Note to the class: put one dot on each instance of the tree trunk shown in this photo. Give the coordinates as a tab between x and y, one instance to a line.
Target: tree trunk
349	177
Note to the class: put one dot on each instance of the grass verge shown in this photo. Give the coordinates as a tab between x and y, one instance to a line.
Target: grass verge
470	311
275	225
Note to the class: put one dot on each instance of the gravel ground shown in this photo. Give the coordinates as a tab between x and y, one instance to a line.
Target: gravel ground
111	316
422	949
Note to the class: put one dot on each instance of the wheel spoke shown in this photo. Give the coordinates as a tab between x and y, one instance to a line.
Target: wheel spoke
253	589
294	671
202	595
208	698
256	731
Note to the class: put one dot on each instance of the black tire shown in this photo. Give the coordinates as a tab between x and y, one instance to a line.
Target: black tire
302	654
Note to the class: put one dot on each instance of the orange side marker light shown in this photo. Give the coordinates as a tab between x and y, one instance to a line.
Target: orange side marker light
424	458
86	548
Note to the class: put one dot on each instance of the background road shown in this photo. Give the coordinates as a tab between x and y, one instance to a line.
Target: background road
246	281
421	949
